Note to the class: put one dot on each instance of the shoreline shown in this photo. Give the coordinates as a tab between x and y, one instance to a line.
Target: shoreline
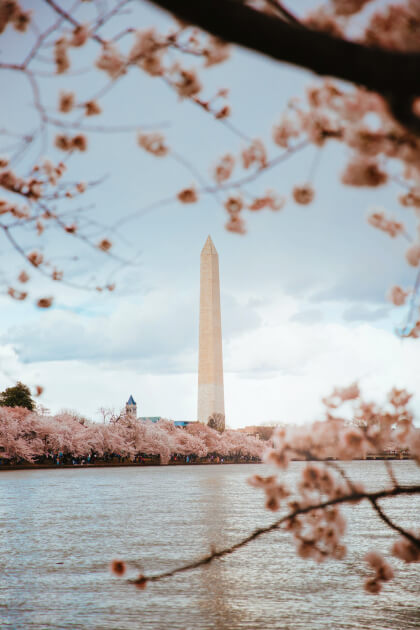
116	465
28	466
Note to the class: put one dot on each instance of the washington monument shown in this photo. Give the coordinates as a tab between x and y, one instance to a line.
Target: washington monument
211	403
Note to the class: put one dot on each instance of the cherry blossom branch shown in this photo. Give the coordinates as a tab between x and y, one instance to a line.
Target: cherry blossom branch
393	74
223	121
93	246
318	122
43	36
213	189
349	498
41	133
247	179
38	268
227	123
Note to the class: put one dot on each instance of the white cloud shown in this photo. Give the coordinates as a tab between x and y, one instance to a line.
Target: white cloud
278	371
158	331
298	364
307	316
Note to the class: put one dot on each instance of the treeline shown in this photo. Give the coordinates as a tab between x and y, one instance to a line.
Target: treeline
28	436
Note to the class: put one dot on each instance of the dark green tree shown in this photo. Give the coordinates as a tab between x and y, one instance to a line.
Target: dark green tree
17	396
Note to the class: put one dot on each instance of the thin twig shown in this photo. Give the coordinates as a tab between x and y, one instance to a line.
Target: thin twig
43	36
72	20
414	295
394	526
390	472
285	13
106	16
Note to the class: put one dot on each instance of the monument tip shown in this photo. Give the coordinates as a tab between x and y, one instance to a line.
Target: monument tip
209	247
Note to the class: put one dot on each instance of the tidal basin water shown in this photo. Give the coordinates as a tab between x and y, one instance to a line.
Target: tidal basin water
59	530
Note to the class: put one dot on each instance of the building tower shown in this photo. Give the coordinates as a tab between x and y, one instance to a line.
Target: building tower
211	404
131	407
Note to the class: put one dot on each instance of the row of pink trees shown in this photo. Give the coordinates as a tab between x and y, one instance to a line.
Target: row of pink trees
26	435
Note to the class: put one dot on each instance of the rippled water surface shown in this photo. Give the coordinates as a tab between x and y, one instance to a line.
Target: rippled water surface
59	529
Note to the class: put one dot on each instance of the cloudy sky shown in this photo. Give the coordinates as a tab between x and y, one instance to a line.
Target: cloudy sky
303	293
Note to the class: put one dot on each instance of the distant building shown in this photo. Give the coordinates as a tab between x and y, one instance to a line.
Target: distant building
177	423
131	407
131	410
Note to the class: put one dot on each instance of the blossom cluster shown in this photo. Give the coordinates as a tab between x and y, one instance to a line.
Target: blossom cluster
383	572
373	429
313	516
395	26
149	52
12	13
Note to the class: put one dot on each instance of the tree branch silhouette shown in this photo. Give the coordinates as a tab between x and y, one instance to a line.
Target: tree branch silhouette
393	74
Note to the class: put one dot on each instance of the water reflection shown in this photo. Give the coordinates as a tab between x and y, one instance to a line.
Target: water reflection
216	528
159	518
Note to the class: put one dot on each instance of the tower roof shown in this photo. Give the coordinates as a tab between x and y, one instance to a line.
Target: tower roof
209	247
131	401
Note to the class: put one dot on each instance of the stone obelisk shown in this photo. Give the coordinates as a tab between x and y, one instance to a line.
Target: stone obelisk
211	404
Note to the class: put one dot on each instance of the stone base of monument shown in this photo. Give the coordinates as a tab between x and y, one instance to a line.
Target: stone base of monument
216	421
